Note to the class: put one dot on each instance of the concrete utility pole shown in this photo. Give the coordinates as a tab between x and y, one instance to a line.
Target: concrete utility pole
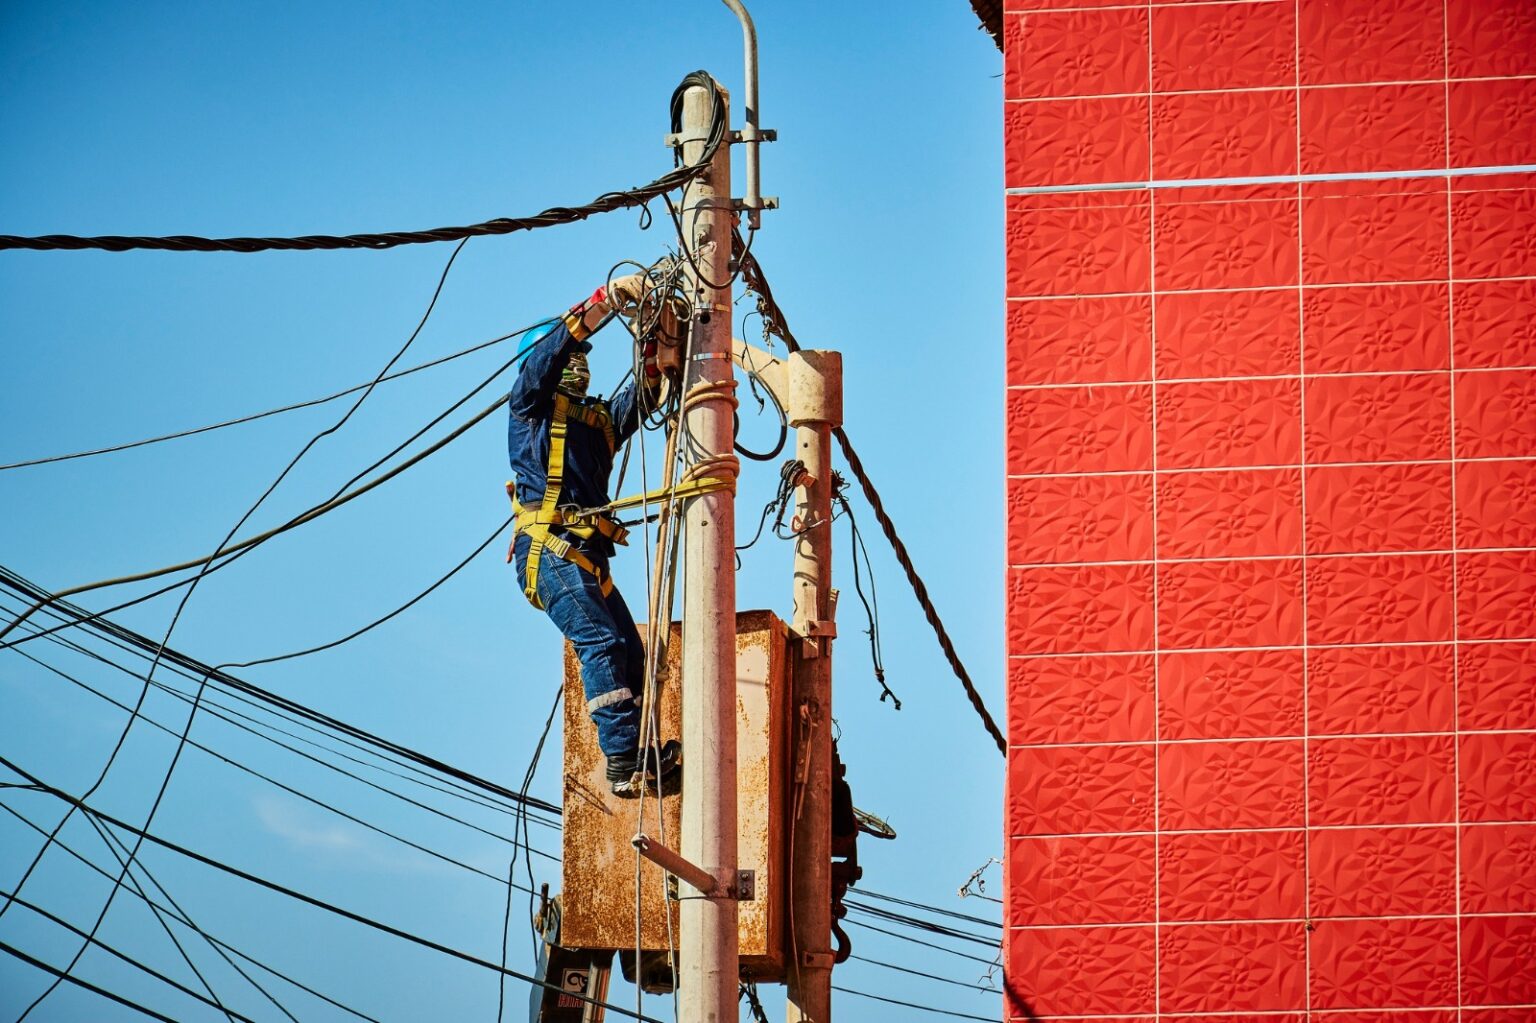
708	970
815	407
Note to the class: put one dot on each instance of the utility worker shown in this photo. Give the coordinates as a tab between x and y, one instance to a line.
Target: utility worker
561	444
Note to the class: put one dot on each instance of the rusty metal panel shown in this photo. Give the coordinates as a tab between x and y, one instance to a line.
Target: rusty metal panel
600	866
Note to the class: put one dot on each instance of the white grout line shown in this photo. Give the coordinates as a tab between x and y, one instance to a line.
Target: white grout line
1306	648
1016	11
1289	829
1264	468
1157	628
1272	179
1143	924
1165	292
1314	87
1279	1014
1054	655
1447	371
1450	270
1300	556
1233	739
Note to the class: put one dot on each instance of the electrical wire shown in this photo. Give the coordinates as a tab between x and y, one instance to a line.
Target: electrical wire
915	922
871	603
119	852
913	1005
92	940
932	909
254	416
918	941
61	975
175	912
375	623
298	896
481	784
170	629
774	323
605	203
919	973
253	772
321	804
231	550
521	823
197	668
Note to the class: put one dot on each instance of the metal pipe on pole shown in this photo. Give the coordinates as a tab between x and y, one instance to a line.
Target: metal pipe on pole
708	956
815	408
752	133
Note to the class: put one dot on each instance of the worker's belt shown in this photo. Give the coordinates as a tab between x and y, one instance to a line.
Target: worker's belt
539	522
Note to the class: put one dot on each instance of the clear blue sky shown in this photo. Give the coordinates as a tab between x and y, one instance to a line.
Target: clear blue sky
241	118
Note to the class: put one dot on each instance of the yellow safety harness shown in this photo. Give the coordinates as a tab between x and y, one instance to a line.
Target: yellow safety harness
585	522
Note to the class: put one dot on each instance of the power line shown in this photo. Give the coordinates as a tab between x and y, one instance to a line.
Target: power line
774	323
119	852
914	1005
170	628
180	915
919	941
314	801
254	416
554	216
231	549
307	899
931	909
255	725
873	911
924	925
31	591
87	985
91	939
920	973
229	715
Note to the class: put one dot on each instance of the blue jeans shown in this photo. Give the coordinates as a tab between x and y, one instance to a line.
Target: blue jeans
607	645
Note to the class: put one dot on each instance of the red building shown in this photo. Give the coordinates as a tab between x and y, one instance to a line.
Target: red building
1271	445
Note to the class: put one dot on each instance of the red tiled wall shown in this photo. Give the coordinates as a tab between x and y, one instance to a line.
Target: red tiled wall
1271	448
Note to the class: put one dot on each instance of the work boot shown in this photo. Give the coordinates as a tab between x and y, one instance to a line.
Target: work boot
627	779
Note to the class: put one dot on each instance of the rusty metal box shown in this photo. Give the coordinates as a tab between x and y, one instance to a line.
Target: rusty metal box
600	866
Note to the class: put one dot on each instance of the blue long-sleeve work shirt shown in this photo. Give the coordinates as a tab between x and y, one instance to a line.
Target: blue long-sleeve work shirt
588	461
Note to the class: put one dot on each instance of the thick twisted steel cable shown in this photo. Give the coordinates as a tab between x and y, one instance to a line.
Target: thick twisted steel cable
608	202
773	320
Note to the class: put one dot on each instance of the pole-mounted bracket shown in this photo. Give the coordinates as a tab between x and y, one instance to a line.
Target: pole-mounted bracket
818	960
673	139
742	887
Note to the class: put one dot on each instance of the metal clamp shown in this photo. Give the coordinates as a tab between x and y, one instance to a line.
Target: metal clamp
750	135
817	960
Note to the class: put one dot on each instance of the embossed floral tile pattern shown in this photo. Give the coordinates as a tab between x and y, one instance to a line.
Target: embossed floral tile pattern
1271	448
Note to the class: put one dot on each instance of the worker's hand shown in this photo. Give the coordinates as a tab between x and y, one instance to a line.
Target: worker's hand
624	293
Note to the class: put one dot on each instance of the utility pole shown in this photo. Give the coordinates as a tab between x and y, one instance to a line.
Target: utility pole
815	407
708	966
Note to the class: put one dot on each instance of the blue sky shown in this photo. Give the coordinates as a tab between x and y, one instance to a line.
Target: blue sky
215	119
